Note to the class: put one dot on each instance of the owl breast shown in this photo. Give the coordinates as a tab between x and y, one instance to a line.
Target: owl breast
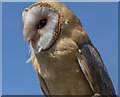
61	71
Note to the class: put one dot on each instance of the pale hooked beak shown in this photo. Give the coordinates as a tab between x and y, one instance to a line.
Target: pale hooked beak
34	38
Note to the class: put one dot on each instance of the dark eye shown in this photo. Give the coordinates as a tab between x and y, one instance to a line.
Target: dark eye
42	23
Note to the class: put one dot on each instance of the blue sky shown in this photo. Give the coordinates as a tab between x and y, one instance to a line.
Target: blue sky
99	20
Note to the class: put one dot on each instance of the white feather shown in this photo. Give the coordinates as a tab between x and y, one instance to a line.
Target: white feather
81	66
34	15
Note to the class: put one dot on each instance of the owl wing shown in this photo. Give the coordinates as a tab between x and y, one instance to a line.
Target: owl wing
43	85
95	71
36	66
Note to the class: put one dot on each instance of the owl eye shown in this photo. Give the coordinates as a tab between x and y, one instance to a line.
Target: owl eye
42	23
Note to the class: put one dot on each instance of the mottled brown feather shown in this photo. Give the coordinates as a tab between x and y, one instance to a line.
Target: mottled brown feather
96	69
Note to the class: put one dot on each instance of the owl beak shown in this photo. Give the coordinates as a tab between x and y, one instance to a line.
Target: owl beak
32	37
36	37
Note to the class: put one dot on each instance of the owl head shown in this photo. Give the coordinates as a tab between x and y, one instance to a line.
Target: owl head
43	22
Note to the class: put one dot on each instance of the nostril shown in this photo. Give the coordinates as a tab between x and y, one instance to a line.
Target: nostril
36	37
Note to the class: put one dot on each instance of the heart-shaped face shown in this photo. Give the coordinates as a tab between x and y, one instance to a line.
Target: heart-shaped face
39	26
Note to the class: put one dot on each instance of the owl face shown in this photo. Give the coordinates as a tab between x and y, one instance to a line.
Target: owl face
44	21
39	26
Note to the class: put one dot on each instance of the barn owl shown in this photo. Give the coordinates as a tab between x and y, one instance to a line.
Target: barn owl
66	61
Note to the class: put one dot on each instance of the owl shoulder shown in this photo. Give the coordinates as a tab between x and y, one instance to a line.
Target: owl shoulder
80	37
